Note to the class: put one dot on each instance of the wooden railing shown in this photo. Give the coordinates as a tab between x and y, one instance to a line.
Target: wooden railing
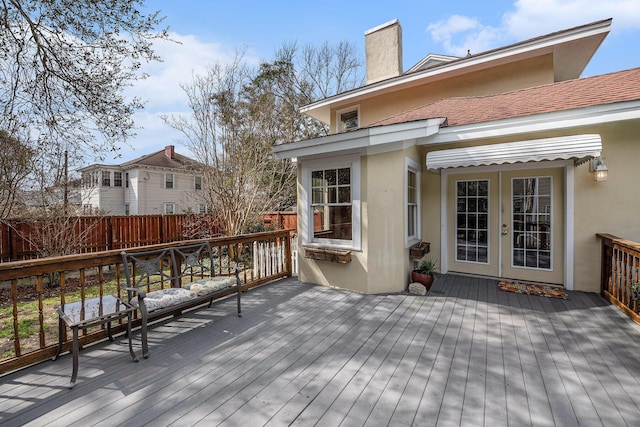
31	290
620	274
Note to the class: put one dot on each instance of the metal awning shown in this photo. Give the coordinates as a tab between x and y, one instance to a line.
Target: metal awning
581	148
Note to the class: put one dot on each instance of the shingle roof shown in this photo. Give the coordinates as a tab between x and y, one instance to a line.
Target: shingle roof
605	89
159	159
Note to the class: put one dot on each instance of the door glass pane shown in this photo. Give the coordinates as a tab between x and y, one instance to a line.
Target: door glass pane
531	222
472	227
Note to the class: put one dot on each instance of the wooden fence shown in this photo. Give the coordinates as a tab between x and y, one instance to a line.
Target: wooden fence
620	274
28	239
31	289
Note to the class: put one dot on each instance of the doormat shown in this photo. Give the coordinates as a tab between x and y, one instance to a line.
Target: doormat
533	289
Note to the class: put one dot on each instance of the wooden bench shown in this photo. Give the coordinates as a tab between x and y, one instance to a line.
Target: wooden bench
165	281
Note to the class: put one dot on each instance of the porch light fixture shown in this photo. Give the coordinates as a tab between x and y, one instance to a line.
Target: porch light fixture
600	170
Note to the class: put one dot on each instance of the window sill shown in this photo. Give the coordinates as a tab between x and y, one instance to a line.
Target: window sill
339	256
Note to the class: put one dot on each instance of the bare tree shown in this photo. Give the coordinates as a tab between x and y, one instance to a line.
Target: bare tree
238	113
15	166
64	66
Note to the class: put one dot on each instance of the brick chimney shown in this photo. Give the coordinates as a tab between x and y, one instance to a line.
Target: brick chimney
383	50
170	151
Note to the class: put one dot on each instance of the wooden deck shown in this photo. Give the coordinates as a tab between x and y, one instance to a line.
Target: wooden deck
467	354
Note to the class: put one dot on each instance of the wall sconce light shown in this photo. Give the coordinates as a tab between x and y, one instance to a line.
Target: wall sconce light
599	169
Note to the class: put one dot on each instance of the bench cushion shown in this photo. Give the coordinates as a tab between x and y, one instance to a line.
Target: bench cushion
210	284
165	298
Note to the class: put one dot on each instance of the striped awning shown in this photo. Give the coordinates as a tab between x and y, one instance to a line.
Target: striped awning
581	148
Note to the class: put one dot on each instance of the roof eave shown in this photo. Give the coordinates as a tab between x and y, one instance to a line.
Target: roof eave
365	141
590	36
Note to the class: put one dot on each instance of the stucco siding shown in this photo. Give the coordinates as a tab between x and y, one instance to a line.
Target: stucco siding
610	207
385	212
532	72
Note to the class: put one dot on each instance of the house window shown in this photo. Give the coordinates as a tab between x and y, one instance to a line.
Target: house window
333	201
472	221
117	179
412	197
87	180
106	179
168	180
198	183
126	209
169	208
126	179
204	208
348	119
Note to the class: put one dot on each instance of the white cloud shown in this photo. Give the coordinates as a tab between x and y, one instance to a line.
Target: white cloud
180	61
460	34
531	18
536	17
162	92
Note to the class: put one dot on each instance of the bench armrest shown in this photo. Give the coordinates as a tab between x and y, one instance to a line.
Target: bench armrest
141	293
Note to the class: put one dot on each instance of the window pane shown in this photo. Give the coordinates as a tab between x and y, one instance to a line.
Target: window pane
349	120
317	196
330	177
344	194
531	222
344	176
332	197
472	224
317	178
336	222
411	220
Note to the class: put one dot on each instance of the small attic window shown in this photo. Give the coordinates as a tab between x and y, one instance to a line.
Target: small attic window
348	119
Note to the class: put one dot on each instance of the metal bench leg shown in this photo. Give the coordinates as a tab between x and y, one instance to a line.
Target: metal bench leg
76	349
238	296
143	330
60	332
131	352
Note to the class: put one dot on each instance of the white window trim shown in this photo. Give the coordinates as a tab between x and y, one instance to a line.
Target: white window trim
195	180
411	165
346	110
173	205
306	217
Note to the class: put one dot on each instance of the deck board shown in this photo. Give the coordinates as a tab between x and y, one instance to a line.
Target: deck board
467	354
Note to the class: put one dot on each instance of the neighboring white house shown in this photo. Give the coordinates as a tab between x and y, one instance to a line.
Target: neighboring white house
163	182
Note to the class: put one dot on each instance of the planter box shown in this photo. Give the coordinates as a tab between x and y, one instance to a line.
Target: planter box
325	254
419	250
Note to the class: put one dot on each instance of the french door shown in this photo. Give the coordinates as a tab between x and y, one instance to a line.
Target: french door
507	224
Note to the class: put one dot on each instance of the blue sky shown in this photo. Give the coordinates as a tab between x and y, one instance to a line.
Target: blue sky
212	31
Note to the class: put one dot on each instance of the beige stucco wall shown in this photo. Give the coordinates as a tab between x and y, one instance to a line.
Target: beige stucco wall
383	264
352	275
610	207
532	72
